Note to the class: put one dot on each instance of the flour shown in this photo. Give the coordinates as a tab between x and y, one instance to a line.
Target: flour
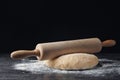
108	67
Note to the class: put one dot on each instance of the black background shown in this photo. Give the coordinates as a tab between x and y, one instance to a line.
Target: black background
24	24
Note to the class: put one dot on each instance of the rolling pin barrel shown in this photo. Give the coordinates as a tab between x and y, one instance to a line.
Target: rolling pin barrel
55	49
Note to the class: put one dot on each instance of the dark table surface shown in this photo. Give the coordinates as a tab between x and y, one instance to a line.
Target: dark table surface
107	69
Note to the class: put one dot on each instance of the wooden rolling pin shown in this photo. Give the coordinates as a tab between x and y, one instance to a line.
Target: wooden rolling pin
51	50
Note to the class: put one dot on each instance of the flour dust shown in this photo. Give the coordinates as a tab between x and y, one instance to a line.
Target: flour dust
108	67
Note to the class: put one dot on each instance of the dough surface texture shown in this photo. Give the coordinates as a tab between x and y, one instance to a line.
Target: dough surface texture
74	61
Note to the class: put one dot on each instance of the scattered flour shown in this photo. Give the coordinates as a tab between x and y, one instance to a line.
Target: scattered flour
108	67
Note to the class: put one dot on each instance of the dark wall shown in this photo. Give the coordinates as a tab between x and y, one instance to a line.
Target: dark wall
27	24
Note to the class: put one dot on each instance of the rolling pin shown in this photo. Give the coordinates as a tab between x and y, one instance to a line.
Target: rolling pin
50	50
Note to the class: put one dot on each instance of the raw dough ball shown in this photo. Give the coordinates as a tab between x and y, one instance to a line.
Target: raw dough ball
74	61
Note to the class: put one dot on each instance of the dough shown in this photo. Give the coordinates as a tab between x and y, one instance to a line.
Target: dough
74	61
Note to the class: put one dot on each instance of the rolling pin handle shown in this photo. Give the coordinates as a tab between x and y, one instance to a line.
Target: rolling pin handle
108	43
24	53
